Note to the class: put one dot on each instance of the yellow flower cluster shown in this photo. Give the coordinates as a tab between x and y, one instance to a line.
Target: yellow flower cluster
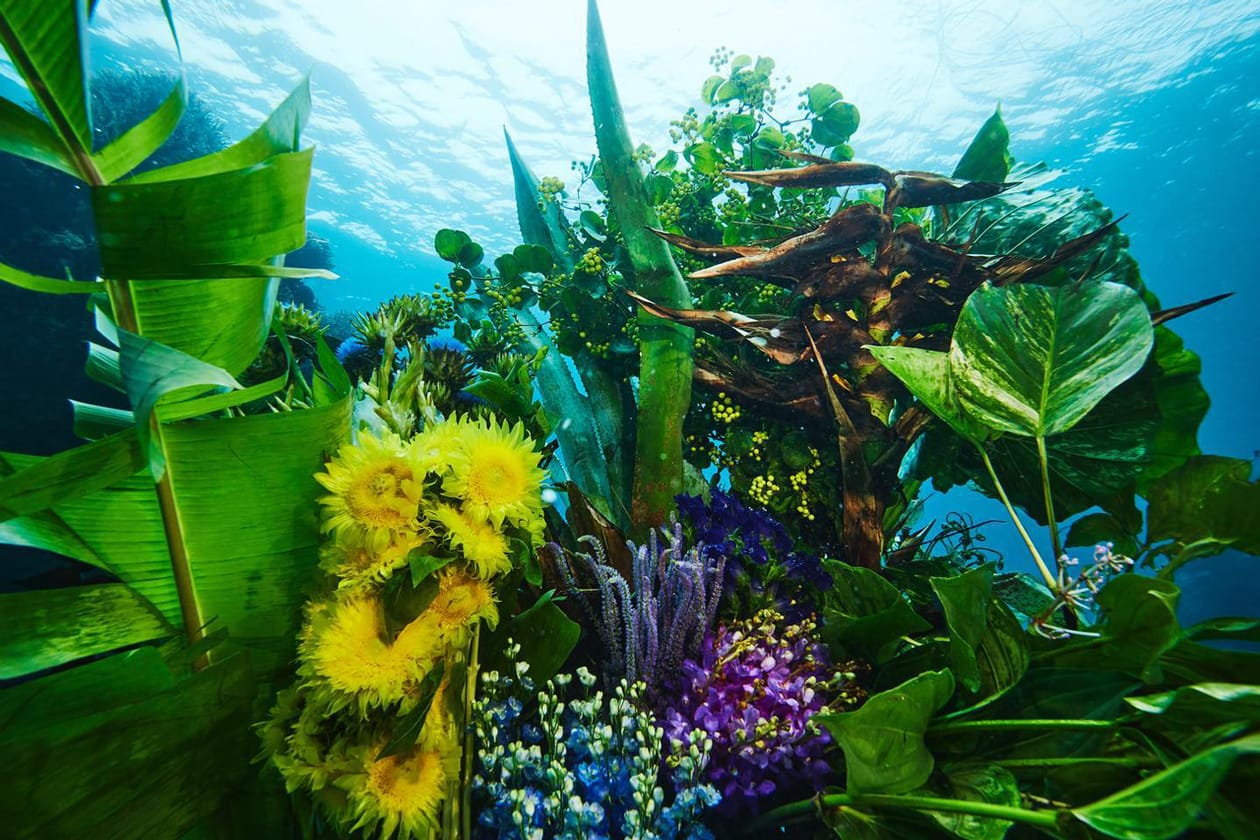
417	532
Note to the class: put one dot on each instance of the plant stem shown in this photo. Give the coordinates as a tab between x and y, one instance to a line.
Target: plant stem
982	726
1040	819
1045	489
1016	763
1019	526
470	742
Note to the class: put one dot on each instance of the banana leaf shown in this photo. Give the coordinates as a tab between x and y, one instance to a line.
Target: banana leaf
150	742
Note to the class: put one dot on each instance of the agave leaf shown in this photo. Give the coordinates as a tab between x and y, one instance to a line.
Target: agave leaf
665	349
1032	360
546	227
589	430
47	628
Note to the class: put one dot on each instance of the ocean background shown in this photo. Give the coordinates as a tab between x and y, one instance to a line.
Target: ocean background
1155	106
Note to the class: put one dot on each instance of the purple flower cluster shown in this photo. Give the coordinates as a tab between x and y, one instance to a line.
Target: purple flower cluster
762	570
753	691
661	615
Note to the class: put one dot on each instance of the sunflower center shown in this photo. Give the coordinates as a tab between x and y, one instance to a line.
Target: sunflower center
495	478
406	785
379	498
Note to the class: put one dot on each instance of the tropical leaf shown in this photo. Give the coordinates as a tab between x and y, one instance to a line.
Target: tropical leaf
46	43
48	628
1033	360
124	746
1168	803
882	740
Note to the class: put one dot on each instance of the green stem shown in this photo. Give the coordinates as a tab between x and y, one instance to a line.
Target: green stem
794	810
1016	763
1019	526
1045	489
982	726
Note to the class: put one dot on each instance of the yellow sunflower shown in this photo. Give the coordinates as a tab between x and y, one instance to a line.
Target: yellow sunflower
397	796
374	489
481	543
495	472
357	566
403	792
347	660
430	451
461	601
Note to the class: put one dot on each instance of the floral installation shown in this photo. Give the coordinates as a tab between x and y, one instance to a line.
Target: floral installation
418	533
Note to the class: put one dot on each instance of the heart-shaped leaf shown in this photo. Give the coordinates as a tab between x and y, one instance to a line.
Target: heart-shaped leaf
1033	360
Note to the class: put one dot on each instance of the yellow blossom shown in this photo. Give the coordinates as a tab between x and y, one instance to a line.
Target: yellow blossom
495	472
482	545
374	490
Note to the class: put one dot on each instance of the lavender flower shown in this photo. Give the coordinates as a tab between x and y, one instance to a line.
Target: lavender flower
659	617
752	692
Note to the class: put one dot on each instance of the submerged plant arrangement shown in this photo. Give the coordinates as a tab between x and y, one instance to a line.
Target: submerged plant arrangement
618	534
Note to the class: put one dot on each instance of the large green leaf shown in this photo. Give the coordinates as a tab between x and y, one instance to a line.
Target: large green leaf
925	373
1165	805
1033	360
988	783
47	44
47	628
123	748
1139	626
666	363
866	615
1203	703
1208	500
987	158
988	646
883	739
965	599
